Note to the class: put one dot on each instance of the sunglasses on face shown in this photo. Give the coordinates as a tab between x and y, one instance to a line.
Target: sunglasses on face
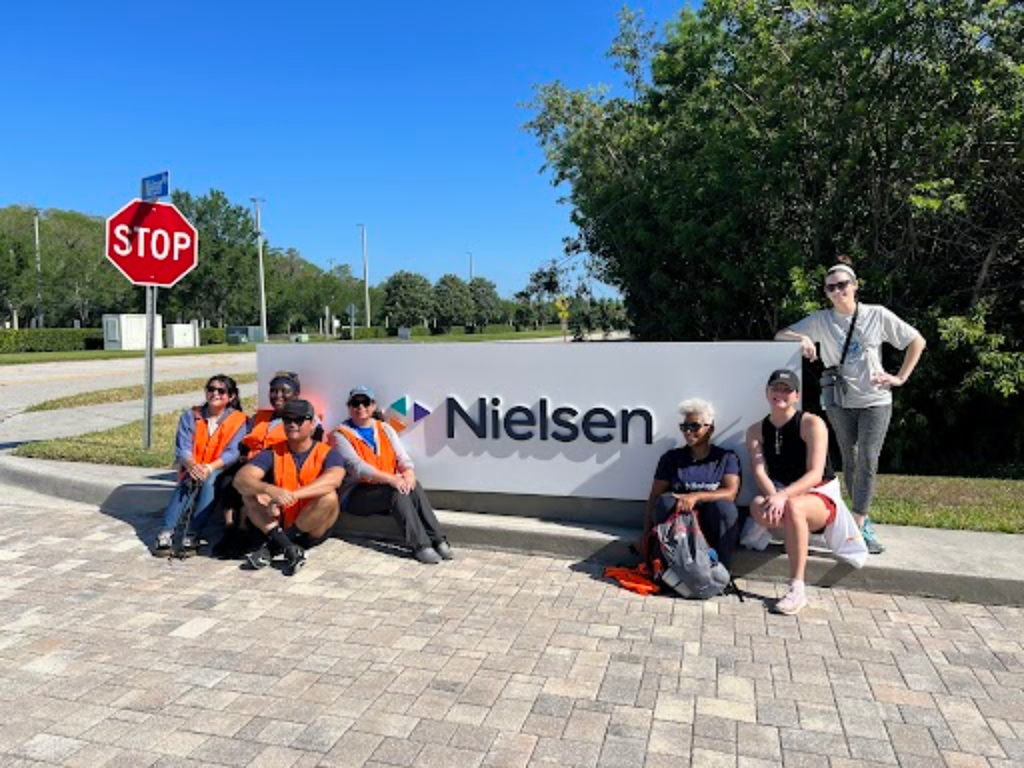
216	390
359	403
281	390
840	286
295	419
691	426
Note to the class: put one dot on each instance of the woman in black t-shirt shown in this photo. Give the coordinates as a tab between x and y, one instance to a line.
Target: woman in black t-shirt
797	489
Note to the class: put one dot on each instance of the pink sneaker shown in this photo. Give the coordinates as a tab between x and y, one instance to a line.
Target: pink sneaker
792	602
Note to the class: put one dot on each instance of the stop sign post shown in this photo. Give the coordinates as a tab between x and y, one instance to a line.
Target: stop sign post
153	245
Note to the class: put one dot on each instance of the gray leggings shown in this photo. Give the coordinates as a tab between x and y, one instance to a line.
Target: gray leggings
860	433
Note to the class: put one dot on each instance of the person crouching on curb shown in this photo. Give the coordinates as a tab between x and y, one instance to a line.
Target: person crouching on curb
796	484
290	491
206	442
381	480
698	477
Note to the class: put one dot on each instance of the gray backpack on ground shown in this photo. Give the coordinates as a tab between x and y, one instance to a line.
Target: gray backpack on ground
688	566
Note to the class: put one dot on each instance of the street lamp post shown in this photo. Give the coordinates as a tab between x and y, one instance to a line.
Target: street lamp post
366	276
470	265
39	274
259	254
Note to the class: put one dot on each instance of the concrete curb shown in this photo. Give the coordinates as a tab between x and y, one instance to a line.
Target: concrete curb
951	565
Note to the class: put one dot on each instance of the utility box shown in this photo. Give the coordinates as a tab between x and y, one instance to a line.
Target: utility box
129	332
244	334
182	335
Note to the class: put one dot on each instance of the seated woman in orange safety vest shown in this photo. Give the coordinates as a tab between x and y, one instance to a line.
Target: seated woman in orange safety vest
266	430
290	490
380	480
207	441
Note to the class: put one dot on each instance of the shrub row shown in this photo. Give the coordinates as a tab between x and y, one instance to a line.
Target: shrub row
50	339
212	336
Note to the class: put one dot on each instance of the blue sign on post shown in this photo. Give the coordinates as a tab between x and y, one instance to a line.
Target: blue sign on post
155	187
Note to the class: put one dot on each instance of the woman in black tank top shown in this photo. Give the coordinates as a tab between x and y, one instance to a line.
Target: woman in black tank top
789	454
786	453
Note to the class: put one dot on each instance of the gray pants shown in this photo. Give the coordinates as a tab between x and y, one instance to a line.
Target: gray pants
412	511
860	433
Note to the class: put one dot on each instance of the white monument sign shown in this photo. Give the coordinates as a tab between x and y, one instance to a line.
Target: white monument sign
569	420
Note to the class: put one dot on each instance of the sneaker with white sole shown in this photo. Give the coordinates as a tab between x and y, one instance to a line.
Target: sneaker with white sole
792	602
295	558
868	532
164	543
259	557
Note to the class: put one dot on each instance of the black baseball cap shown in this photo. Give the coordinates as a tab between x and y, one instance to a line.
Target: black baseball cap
298	409
785	376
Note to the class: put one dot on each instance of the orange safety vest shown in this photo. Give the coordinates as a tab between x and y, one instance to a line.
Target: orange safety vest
207	448
288	477
262	436
384	459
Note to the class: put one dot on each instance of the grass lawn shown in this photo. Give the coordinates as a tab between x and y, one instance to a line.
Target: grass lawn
956	503
120	445
23	358
135	392
953	503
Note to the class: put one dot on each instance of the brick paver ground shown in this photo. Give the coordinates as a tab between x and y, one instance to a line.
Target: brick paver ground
111	657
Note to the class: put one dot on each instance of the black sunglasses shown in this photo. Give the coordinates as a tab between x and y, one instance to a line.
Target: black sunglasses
692	426
840	286
295	419
359	402
217	390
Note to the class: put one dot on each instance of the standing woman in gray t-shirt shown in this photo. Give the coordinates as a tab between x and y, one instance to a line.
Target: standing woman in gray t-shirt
861	423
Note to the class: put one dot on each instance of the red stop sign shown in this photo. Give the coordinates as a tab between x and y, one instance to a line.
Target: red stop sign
152	243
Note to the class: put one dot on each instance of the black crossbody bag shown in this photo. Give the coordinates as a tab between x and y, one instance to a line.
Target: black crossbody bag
833	385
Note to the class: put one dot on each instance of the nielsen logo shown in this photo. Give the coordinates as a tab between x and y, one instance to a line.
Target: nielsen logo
598	425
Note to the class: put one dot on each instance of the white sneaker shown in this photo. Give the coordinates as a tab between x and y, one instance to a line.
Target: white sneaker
792	602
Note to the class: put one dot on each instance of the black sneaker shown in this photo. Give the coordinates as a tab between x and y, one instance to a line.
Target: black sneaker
295	558
164	543
189	545
259	557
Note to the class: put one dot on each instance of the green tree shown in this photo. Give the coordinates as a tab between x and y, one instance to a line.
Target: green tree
224	288
453	302
486	302
768	138
408	299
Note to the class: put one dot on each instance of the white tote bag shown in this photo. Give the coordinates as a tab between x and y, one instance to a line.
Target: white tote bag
843	536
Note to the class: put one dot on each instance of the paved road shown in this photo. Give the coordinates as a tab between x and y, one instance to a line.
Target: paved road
23	385
109	656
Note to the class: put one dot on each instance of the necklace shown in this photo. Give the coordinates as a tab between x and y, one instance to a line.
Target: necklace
778	441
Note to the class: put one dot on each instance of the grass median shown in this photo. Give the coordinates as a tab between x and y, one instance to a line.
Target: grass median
121	445
952	503
135	392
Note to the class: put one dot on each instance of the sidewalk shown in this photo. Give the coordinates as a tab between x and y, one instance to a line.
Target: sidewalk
112	657
968	566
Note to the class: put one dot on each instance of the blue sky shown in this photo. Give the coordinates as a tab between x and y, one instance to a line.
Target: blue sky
404	117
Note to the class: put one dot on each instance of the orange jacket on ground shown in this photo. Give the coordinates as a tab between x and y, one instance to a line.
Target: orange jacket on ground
288	477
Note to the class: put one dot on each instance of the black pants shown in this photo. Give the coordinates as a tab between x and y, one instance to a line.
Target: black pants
412	511
719	522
